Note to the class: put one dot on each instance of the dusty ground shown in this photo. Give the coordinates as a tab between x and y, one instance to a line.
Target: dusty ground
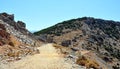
47	59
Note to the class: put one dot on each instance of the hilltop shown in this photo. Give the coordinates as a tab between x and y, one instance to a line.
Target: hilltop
97	35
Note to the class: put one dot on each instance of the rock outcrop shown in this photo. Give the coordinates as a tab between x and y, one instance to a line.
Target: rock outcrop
15	40
18	29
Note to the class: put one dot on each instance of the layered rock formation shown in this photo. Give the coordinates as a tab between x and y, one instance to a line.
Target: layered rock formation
15	40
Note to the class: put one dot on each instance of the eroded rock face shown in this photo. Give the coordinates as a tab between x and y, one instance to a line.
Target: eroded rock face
6	17
15	40
21	24
2	27
4	36
9	19
18	29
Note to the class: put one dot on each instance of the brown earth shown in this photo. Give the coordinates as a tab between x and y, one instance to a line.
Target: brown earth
49	58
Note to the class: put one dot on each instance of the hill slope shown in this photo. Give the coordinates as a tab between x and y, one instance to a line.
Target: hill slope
97	35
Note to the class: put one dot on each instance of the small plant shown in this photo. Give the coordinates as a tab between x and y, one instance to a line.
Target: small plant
87	62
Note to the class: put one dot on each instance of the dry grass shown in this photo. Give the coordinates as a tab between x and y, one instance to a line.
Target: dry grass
63	50
14	41
58	46
87	62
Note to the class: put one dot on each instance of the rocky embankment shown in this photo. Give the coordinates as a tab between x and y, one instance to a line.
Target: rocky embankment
15	40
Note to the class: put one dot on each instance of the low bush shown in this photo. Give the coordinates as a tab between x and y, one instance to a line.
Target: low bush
87	62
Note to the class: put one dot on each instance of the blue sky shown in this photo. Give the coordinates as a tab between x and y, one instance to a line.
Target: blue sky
39	14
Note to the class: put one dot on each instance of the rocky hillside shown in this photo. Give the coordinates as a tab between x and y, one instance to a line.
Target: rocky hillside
97	35
15	40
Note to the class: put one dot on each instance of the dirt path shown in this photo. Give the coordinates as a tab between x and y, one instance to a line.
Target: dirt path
47	59
83	52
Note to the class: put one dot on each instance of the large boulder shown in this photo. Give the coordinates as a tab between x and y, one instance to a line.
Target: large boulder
6	17
21	24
